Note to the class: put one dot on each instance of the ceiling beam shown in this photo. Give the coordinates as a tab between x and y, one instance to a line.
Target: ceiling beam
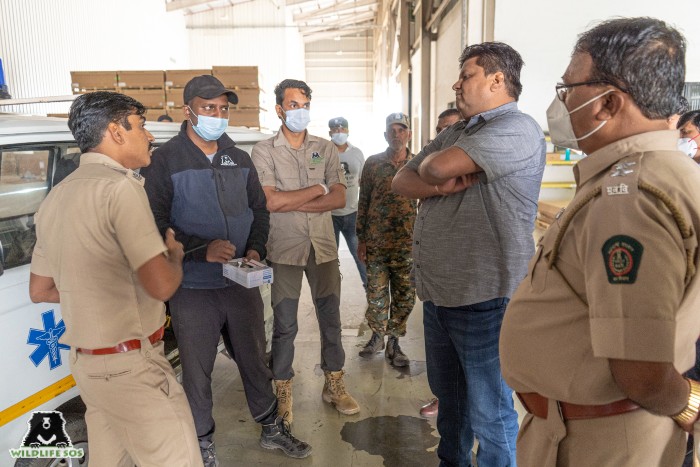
317	36
173	5
343	20
342	6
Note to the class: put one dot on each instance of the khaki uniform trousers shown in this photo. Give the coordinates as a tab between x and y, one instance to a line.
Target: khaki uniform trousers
137	412
634	439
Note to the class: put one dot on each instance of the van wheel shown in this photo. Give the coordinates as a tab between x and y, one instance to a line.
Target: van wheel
77	432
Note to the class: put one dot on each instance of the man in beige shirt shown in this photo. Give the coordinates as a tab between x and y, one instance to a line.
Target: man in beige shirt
100	255
303	183
596	337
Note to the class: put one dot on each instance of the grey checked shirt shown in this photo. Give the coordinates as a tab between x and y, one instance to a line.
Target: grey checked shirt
475	245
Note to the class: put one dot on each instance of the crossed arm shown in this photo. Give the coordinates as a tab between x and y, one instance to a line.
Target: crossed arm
442	173
309	199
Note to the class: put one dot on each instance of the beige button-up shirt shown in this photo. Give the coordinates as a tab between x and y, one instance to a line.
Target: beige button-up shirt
287	169
94	231
620	285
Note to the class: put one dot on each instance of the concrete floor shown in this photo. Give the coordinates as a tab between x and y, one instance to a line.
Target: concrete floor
388	431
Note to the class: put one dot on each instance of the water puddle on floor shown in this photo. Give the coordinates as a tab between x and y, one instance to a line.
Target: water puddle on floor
415	368
401	441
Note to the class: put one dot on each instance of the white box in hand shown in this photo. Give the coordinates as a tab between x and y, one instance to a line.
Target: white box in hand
248	273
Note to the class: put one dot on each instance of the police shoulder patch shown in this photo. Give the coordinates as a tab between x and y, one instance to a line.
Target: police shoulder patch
622	255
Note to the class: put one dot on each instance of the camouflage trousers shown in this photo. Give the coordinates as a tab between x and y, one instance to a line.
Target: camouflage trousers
390	295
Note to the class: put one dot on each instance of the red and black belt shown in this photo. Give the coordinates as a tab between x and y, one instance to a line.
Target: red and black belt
538	405
126	346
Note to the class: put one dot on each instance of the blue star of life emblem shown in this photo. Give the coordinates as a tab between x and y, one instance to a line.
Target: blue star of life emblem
46	341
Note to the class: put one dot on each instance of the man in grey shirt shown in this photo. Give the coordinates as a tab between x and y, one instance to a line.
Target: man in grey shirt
351	161
479	181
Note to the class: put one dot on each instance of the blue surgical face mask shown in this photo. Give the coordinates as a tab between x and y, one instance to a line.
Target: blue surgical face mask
339	138
209	128
297	119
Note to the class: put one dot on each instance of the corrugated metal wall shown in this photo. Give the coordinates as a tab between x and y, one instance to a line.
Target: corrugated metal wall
252	33
41	41
340	73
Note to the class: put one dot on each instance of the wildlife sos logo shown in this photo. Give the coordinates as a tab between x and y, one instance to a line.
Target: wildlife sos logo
316	158
46	437
226	161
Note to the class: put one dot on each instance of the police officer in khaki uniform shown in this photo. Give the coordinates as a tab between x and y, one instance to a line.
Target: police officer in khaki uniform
100	255
303	182
596	337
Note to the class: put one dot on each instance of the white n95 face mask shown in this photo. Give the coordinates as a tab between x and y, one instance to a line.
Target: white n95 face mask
339	138
297	119
558	118
688	146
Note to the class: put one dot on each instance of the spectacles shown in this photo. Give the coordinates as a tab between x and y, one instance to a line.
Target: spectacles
562	88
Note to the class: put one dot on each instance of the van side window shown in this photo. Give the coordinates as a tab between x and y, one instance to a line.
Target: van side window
68	161
23	185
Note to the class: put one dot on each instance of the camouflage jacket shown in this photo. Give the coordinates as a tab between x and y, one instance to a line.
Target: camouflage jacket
384	219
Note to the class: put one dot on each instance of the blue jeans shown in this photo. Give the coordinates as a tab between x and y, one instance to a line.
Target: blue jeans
464	372
346	225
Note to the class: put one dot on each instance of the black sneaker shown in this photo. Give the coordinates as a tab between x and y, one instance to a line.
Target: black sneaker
208	454
395	354
374	345
277	436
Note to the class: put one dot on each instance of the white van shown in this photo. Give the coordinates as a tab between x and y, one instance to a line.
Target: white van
36	153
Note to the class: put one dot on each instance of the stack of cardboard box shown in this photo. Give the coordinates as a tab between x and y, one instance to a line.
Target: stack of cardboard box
175	81
86	81
161	92
147	87
244	80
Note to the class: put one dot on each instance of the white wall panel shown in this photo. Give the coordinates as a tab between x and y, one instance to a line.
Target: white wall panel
254	33
447	60
41	41
278	52
545	35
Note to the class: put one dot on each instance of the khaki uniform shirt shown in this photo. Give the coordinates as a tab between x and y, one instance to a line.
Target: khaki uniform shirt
618	286
288	169
94	231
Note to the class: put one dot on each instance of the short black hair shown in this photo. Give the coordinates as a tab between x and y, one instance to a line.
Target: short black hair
165	118
291	84
448	112
494	57
683	106
643	57
91	113
693	116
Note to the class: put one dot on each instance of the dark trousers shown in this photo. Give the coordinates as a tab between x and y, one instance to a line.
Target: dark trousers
324	282
200	317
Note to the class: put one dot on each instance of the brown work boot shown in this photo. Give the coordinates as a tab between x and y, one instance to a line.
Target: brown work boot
374	344
283	390
334	393
394	353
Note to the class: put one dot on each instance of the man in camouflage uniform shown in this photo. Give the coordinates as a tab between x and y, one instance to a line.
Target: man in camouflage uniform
385	231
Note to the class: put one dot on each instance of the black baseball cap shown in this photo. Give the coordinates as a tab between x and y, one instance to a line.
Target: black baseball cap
207	87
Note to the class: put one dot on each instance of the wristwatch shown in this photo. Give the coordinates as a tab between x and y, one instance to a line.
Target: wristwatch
692	408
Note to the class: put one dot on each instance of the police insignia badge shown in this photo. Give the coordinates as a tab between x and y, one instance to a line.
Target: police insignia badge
622	255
